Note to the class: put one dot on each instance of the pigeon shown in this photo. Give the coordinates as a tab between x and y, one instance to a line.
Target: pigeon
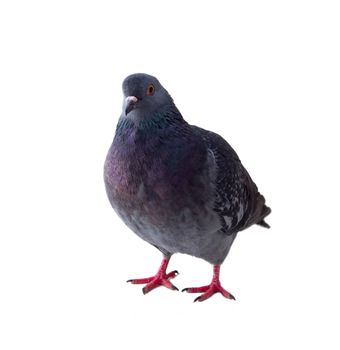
177	186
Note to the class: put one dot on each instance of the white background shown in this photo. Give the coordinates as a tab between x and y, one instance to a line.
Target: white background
264	74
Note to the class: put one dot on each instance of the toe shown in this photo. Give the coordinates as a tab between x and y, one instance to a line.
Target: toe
172	274
168	284
225	293
140	280
204	296
196	289
150	286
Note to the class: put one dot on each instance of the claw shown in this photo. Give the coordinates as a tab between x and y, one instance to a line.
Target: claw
211	289
160	279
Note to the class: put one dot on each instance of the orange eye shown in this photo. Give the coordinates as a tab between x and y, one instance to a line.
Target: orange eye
151	90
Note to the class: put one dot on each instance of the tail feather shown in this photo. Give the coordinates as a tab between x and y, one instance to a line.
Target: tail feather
266	211
263	224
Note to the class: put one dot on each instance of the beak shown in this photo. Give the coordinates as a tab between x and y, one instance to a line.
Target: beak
130	104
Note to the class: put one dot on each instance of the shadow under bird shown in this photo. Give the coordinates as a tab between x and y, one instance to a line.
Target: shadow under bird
181	188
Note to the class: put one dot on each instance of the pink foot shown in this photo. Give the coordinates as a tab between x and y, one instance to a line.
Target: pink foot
160	279
213	288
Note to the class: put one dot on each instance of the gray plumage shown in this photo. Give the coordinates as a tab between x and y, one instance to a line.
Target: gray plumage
179	187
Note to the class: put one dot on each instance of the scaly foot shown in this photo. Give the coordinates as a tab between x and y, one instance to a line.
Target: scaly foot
211	289
160	279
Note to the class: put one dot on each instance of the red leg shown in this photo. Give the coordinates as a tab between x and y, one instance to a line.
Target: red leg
160	279
211	289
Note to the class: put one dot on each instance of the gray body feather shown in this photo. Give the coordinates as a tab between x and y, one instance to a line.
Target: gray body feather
179	187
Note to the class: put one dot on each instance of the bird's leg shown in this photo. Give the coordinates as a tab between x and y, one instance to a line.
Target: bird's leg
211	289
160	279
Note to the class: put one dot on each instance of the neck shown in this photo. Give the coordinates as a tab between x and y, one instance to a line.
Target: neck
167	117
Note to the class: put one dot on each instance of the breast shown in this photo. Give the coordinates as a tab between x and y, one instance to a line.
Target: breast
165	197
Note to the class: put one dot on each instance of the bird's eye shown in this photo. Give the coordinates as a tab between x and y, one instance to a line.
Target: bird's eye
151	90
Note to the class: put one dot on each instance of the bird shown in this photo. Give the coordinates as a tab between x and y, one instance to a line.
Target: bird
181	188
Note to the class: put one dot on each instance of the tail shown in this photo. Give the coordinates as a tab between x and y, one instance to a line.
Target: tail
257	213
266	211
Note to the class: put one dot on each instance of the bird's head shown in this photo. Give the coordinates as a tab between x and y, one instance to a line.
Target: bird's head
144	97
